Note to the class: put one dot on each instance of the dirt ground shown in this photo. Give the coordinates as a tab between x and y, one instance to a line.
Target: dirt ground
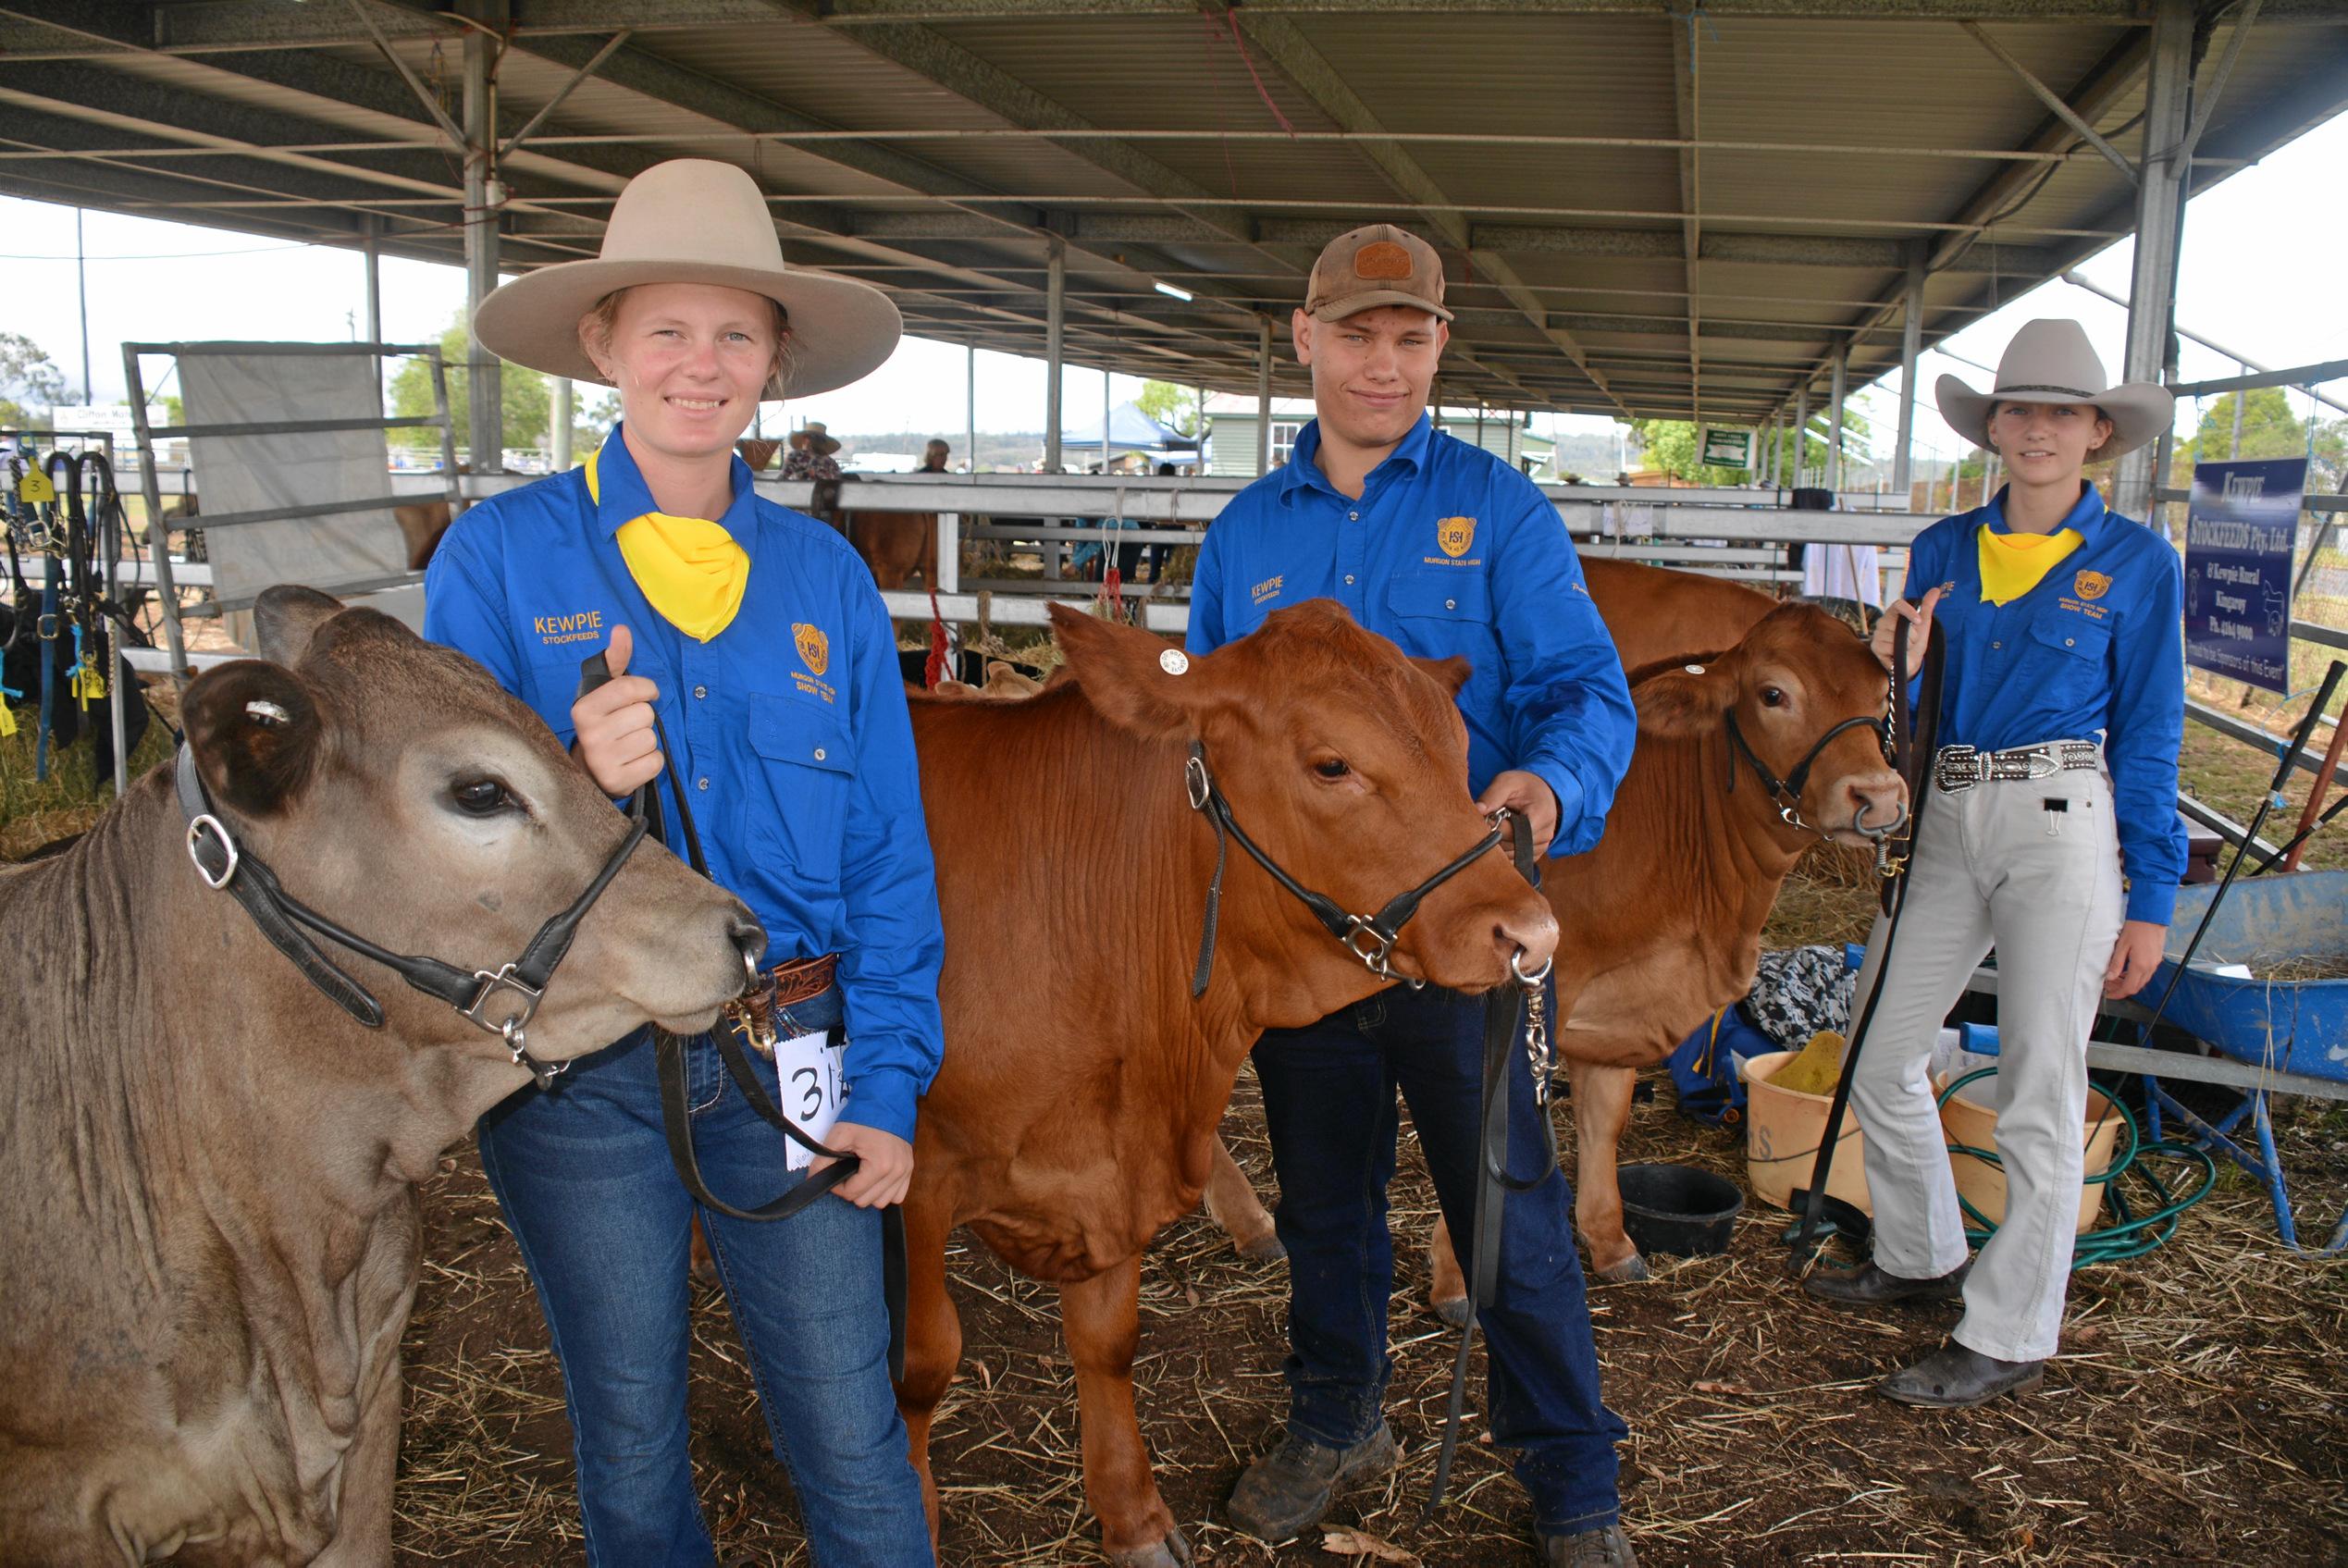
2198	1413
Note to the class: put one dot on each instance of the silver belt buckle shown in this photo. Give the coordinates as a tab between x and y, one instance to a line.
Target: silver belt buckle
2041	764
1956	769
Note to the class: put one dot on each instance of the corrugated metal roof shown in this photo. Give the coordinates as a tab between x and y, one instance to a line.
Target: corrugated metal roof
939	148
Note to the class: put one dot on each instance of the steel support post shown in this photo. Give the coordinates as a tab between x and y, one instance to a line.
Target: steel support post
559	424
1834	417
484	423
1263	395
2152	285
1912	344
1801	433
1054	319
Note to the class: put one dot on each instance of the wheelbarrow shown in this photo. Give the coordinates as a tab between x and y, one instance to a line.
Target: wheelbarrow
2295	1028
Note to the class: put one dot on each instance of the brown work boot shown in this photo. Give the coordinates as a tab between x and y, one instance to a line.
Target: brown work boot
1605	1547
1288	1490
1870	1286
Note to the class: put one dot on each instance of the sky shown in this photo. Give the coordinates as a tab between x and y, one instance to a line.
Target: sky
2260	272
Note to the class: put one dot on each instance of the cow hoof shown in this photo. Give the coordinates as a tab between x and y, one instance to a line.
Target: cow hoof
1172	1552
1628	1272
1263	1249
1454	1312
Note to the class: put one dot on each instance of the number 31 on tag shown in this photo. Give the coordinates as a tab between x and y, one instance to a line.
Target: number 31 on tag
809	1070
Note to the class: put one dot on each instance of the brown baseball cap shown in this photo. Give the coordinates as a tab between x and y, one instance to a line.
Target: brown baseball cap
1378	264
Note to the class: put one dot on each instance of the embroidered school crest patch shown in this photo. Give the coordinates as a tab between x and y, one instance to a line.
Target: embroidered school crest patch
2091	584
1455	535
815	648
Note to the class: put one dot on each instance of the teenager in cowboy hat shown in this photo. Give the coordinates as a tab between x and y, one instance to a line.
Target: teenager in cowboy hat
2062	710
1447	550
756	636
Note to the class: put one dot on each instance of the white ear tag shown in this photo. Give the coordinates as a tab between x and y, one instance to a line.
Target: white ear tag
1694	668
262	712
1174	661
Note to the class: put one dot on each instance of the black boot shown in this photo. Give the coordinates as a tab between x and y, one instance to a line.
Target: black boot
1957	1378
1870	1286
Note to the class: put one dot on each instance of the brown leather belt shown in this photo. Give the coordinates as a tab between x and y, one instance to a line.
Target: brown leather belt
784	987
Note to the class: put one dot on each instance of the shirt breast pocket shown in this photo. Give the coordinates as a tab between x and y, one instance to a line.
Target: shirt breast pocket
807	767
2068	660
1459	597
553	687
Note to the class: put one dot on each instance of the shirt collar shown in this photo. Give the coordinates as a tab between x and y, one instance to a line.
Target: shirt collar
2086	517
1409	453
622	495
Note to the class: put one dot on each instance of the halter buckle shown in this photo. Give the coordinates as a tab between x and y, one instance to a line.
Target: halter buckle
1196	781
196	827
1375	957
513	1023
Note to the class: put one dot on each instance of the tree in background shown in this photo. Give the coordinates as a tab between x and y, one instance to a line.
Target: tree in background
27	381
527	397
2269	428
1172	406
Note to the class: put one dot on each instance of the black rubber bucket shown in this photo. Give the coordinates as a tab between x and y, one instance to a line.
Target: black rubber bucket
1678	1209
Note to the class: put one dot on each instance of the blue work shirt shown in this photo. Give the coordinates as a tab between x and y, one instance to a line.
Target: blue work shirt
1449	550
789	728
2096	649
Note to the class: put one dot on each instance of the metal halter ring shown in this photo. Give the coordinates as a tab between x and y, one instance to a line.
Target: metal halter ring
504	980
227	873
1531	982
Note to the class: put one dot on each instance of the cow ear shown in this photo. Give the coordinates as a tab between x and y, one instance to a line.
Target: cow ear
285	617
1128	675
1449	673
1681	704
256	733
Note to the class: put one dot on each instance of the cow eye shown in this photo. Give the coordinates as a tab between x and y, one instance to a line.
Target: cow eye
1773	696
480	797
1332	768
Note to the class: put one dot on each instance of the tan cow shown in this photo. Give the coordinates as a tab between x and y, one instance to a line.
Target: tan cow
895	545
208	1221
1075	1113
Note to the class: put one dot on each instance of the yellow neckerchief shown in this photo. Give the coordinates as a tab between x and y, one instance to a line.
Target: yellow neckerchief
2011	565
689	568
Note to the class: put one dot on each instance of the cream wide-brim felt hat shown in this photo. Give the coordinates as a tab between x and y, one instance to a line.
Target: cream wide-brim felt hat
2050	361
694	220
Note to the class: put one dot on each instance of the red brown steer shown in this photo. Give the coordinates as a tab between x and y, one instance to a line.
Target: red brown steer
1076	1112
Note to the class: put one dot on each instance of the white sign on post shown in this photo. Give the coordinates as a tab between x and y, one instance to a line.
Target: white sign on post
1725	449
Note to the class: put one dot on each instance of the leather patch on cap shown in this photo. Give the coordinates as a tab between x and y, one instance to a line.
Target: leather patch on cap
1382	260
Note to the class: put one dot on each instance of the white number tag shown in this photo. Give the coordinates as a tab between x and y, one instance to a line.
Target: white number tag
808	1069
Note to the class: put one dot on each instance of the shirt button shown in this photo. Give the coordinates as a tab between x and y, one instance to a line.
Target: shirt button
1349	579
1450	604
701	783
1997	645
699	692
818	753
1352	517
2067	643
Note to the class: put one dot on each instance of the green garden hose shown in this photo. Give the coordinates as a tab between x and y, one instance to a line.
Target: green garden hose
2132	1235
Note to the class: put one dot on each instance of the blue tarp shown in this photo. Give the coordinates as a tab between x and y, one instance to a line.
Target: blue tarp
1129	430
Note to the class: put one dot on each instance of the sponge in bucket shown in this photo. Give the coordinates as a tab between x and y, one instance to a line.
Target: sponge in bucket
1817	1069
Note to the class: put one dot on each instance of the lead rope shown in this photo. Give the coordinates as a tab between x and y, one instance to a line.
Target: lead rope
1919	731
1522	996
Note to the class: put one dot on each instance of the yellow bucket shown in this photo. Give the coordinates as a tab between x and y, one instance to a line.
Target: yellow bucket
1782	1131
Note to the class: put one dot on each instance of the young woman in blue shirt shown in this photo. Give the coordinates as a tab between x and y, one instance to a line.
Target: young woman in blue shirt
2061	715
757	638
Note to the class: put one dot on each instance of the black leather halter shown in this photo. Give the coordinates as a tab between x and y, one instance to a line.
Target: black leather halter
1371	938
1787	792
502	1001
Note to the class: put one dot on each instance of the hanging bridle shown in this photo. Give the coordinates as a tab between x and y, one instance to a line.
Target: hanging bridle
476	993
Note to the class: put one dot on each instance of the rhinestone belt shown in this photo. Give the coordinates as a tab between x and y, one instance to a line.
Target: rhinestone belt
1959	767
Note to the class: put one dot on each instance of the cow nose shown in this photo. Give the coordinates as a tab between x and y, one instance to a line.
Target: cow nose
1536	935
1876	803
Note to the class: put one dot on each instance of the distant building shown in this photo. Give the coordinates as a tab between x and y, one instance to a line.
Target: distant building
1231	435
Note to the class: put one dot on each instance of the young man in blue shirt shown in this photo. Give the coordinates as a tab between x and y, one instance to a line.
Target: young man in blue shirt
1446	550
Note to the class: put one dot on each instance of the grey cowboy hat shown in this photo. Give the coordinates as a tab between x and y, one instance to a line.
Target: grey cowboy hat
694	220
2050	361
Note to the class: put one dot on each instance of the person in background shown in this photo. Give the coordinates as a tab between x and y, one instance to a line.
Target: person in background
1446	549
811	453
2061	716
755	635
935	458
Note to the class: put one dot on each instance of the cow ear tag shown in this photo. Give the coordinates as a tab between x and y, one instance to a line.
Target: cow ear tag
1174	661
1694	668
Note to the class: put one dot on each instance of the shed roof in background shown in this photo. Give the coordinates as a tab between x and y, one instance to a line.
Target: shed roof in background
1640	212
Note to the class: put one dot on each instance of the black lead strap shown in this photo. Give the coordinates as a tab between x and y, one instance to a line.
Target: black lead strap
676	1114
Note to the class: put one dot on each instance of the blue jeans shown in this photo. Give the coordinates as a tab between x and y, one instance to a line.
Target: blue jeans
583	1172
1328	1102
